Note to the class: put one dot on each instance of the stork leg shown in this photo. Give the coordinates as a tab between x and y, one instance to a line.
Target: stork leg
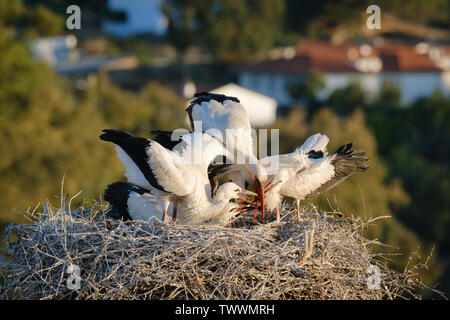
166	207
174	213
278	213
297	206
256	210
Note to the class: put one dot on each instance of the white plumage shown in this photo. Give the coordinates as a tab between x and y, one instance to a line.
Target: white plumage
180	170
308	171
293	165
180	174
129	201
224	118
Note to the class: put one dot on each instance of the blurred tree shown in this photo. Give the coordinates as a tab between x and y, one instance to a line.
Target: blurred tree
432	12
307	91
93	12
346	100
323	17
29	22
414	143
364	194
183	28
49	129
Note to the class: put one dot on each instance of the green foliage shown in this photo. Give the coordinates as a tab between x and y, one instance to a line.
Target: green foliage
345	100
415	142
307	90
29	21
321	17
49	130
408	147
364	194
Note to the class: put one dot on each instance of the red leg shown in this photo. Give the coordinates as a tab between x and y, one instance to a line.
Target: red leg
262	207
174	214
166	206
256	209
278	213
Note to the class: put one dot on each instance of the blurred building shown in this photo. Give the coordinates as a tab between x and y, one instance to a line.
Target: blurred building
64	56
141	16
55	50
261	109
413	71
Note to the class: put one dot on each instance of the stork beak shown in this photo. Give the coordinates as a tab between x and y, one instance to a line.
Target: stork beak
247	192
269	186
260	192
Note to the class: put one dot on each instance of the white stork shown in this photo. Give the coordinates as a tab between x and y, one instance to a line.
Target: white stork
179	175
132	153
308	171
225	118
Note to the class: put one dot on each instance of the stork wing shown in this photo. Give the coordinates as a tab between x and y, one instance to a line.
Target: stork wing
170	170
131	150
312	151
325	173
224	114
345	162
308	179
179	170
167	139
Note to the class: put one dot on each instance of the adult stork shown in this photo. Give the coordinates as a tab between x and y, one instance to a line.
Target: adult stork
180	175
224	118
307	172
131	202
131	151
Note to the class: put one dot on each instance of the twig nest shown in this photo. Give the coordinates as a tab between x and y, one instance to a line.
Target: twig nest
85	255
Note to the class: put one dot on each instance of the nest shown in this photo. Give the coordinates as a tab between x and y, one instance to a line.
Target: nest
83	254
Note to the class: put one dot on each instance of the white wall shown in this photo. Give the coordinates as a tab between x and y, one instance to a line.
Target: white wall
369	83
415	85
412	84
269	84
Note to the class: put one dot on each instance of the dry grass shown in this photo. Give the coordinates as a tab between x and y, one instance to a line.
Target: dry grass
322	257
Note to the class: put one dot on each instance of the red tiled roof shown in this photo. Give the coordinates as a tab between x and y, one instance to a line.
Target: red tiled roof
405	58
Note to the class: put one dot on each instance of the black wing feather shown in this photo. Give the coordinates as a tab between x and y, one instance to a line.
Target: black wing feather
164	138
136	148
346	163
117	195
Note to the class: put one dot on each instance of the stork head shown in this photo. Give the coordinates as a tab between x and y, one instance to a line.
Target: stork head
277	180
229	191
